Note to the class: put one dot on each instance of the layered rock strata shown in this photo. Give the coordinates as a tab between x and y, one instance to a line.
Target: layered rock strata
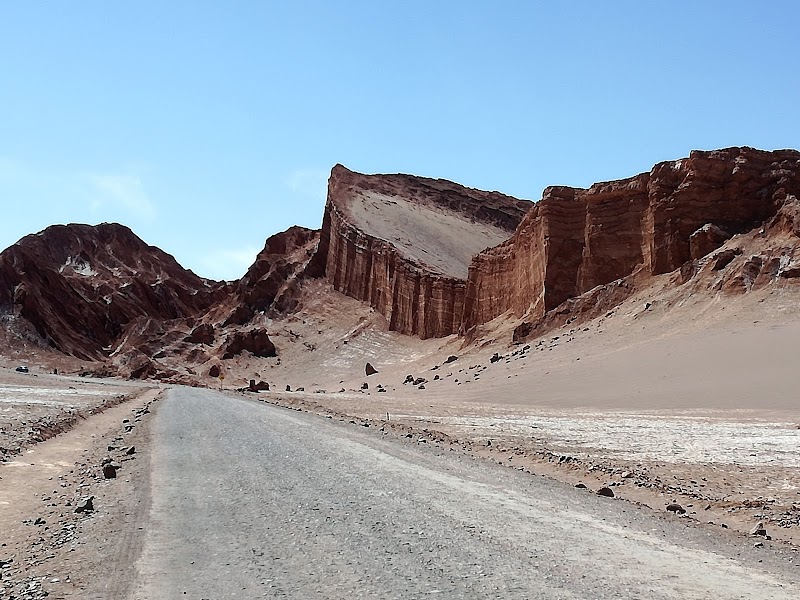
271	284
403	244
79	286
574	240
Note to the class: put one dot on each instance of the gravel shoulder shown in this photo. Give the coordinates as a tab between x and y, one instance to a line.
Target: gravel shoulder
47	549
249	500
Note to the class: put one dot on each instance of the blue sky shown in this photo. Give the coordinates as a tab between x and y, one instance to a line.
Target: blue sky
206	127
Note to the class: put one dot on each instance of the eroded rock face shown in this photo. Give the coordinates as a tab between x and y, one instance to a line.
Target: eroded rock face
255	341
576	239
271	283
80	285
403	244
202	334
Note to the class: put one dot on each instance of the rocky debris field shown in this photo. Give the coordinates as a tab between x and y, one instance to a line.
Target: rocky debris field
63	502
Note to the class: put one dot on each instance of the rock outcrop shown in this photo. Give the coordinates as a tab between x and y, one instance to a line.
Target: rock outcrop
254	341
403	244
271	284
80	285
574	240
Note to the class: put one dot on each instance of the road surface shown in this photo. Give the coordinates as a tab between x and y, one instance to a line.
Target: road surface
254	501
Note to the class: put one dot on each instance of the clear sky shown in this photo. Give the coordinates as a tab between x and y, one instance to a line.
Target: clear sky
208	126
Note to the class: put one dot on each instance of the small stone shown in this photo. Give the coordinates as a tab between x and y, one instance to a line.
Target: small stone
131	450
86	505
110	471
676	508
759	529
580	486
605	491
370	370
758	545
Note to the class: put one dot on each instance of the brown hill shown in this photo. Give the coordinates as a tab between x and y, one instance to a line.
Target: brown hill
80	285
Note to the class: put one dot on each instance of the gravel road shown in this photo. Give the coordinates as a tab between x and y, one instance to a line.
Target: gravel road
253	501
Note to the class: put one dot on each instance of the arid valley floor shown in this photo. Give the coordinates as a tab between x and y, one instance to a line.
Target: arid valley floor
652	368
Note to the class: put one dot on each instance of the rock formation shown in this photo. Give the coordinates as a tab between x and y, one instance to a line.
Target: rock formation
403	244
80	285
271	283
575	240
255	341
433	257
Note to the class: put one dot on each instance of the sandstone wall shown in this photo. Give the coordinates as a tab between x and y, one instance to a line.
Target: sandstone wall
414	300
415	297
576	239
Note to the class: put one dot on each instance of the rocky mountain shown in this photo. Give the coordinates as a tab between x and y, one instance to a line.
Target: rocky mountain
403	244
80	285
432	257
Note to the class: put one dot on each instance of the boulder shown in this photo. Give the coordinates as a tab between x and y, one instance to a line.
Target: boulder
676	508
202	334
370	370
255	341
86	505
261	386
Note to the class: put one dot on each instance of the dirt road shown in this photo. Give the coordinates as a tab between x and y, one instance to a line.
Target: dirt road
252	501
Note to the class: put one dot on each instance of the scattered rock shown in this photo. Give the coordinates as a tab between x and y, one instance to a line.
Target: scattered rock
202	334
255	341
370	370
605	491
261	386
580	486
214	371
110	471
365	386
495	357
130	451
759	529
676	508
86	505
451	358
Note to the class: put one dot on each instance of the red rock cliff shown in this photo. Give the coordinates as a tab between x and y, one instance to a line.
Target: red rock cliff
576	239
403	244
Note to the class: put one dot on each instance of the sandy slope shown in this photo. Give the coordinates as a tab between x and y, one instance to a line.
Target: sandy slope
444	240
